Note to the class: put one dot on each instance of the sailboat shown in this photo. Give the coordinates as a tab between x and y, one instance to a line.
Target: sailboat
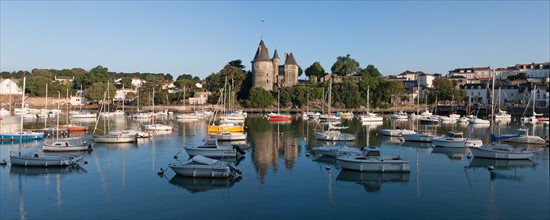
156	126
39	158
186	116
226	126
332	133
72	127
65	144
112	138
501	115
536	117
81	113
368	116
278	117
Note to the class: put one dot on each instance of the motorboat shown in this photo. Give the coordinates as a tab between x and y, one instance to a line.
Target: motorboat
63	145
73	128
397	132
44	160
111	114
334	135
212	149
370	117
502	151
476	120
200	166
229	136
336	150
456	139
157	127
521	136
399	115
370	160
502	115
430	120
418	137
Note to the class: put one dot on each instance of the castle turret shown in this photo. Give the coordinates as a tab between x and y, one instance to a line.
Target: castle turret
290	71
275	60
262	68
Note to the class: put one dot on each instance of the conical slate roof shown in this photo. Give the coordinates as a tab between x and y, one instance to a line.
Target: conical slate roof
275	55
262	53
290	60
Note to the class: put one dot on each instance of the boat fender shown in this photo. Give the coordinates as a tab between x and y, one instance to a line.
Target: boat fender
66	143
160	172
35	155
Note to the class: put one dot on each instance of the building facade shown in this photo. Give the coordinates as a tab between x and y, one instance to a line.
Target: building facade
9	87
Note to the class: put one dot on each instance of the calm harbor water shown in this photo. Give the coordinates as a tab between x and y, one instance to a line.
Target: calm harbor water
282	178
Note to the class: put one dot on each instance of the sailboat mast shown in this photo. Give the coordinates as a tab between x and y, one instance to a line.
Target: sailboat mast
329	95
57	116
46	120
23	111
493	94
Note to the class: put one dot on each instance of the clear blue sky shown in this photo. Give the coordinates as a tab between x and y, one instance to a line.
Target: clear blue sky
199	38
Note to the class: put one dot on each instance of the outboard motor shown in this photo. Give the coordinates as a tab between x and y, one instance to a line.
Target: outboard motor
238	149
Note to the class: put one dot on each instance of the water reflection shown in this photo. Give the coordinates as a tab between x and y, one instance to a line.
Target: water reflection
39	171
454	153
270	145
417	144
372	181
500	164
197	185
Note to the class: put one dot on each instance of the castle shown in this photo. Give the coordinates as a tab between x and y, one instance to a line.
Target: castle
268	74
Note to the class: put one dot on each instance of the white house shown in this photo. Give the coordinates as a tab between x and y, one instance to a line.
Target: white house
201	99
78	99
137	82
121	93
9	86
426	80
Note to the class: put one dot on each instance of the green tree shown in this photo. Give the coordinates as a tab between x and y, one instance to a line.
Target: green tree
97	91
445	89
345	66
315	70
259	98
346	94
97	74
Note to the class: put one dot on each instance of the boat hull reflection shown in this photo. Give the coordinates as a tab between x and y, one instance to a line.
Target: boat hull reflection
197	185
372	181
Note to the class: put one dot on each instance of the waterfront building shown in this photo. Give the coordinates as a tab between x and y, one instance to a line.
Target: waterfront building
477	93
267	73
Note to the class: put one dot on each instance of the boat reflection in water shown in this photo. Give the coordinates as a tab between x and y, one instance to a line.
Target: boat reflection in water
372	181
416	144
454	153
500	164
197	185
38	171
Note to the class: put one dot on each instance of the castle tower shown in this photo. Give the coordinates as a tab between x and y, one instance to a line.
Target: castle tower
276	68
290	71
262	69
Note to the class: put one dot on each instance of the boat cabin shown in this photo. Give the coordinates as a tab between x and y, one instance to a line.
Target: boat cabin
455	135
370	152
210	143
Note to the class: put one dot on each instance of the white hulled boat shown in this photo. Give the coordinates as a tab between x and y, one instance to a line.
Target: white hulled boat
62	145
200	166
502	151
397	132
336	150
456	139
371	160
212	149
521	136
418	137
229	136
